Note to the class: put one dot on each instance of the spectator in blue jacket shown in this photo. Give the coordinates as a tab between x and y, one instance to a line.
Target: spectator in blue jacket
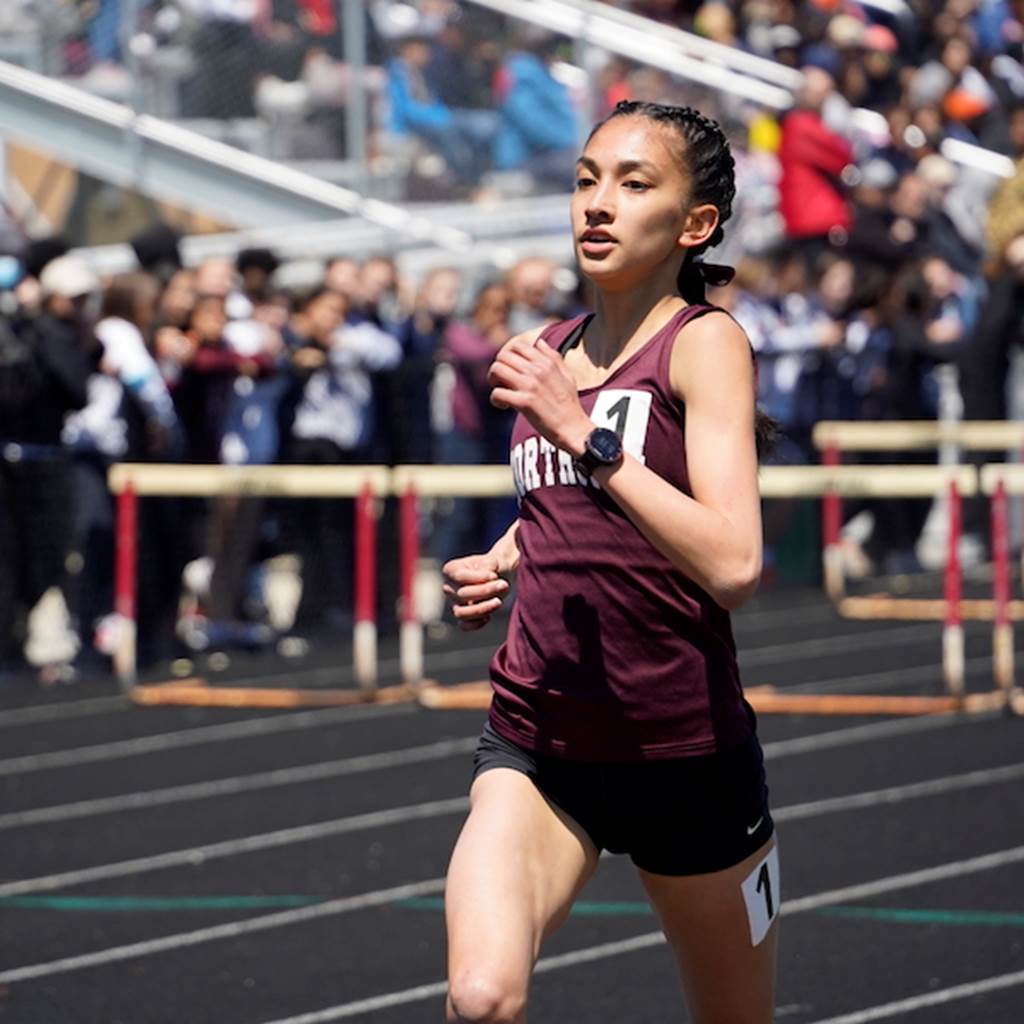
462	136
538	130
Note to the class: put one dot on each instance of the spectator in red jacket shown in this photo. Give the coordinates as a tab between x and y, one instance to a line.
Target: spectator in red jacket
811	194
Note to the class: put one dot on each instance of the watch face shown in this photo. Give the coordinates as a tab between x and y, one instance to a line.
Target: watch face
605	444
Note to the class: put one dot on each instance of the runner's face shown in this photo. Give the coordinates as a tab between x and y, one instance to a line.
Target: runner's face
629	208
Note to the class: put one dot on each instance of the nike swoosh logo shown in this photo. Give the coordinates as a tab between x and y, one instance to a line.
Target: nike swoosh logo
757	824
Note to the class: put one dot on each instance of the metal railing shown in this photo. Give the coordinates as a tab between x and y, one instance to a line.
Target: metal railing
160	159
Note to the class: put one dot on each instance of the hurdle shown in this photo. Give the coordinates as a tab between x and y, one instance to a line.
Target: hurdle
369	484
811	482
834	437
998	481
834	482
131	481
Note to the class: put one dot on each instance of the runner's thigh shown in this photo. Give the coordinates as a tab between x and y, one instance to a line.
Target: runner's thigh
516	869
707	919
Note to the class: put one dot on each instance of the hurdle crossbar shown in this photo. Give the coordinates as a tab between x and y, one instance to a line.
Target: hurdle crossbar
914	435
866	481
454	481
188	481
1010	474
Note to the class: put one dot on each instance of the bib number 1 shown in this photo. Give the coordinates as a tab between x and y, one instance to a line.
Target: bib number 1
761	895
627	412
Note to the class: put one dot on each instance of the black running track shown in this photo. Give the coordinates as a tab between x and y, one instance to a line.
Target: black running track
203	866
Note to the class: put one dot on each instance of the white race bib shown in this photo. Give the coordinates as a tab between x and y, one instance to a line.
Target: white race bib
761	895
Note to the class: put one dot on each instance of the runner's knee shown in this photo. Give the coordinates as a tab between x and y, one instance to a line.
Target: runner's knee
484	997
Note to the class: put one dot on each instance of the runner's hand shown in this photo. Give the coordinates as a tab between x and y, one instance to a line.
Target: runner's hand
531	377
474	589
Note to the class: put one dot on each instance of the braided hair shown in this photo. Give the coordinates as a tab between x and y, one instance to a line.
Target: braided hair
709	166
711	171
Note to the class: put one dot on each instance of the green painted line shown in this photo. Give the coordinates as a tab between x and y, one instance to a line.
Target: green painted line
585	908
135	903
954	917
582	908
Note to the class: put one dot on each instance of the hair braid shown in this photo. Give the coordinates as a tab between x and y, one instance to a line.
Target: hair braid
706	156
711	172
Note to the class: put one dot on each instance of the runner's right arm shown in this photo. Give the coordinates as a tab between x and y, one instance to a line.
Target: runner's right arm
477	584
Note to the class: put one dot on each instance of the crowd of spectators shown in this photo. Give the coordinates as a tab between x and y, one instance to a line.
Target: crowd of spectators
217	364
453	89
877	279
889	283
488	93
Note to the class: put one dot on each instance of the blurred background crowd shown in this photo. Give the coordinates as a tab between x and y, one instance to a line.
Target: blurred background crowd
487	93
880	275
216	364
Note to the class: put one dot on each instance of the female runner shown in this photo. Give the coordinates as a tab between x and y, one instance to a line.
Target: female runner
618	720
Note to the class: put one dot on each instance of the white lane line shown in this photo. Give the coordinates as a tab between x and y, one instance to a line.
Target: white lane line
349	904
194	737
133	801
387	668
835	738
939	998
865	890
418	994
772	618
438	988
768	619
198	855
305	833
306	719
230	930
795	811
306	773
751	657
897	794
146	799
65	709
888	679
649	939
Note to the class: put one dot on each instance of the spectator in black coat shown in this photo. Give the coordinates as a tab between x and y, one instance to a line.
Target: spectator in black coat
43	369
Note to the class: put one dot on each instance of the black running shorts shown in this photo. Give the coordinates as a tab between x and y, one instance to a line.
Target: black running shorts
684	816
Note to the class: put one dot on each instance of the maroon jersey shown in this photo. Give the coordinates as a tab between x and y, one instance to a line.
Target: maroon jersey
612	653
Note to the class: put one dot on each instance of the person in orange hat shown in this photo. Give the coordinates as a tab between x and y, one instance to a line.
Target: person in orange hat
963	105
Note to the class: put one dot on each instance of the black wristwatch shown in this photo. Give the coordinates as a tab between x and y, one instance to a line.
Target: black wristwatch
603	448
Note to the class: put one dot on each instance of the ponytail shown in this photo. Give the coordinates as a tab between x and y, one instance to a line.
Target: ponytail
711	173
696	276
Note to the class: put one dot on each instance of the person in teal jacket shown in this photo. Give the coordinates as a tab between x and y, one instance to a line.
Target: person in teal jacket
462	136
538	130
